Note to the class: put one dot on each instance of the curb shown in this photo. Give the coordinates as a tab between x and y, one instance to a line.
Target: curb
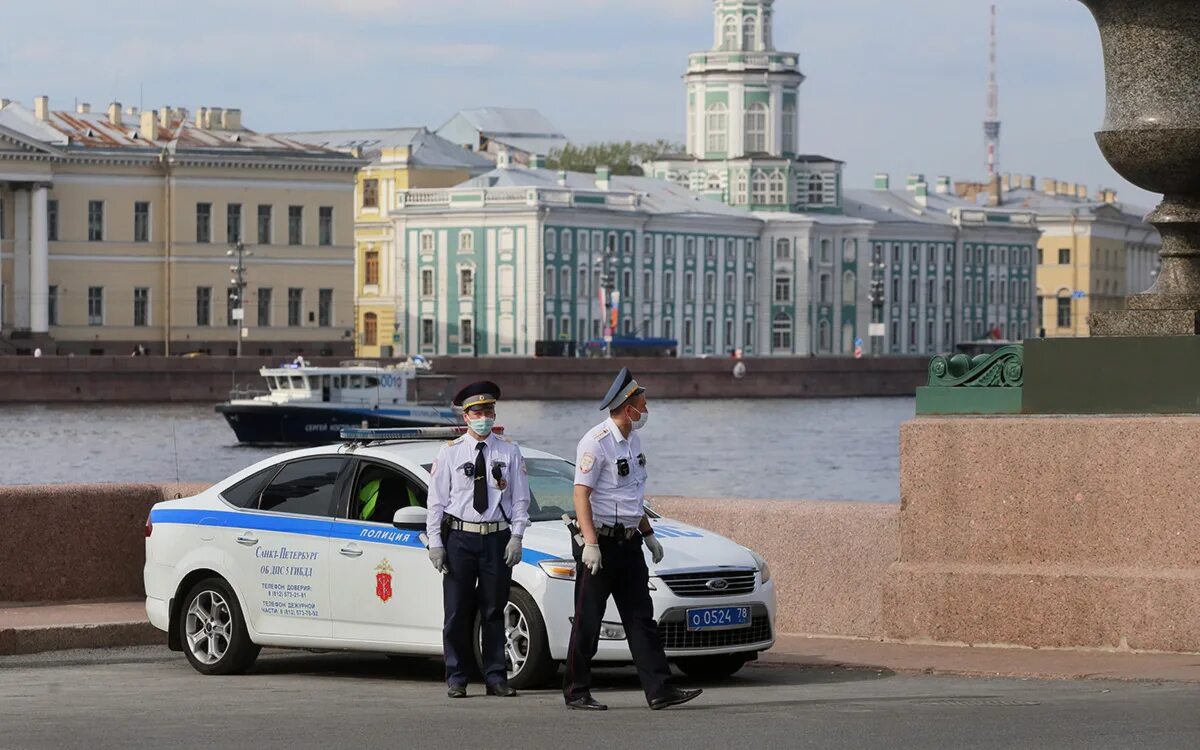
33	640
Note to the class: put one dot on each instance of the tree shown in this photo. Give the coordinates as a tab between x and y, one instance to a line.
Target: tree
623	158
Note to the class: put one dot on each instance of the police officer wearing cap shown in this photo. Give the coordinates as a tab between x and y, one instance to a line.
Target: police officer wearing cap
610	479
478	512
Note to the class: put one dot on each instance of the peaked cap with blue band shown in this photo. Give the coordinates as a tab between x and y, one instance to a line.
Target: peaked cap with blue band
623	389
477	394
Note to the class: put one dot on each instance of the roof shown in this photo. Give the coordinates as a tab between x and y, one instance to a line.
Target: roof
899	206
493	121
426	149
1043	203
808	158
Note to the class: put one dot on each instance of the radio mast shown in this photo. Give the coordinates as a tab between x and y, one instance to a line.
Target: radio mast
991	126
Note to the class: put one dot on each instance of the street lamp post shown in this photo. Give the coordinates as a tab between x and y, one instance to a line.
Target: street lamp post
609	282
238	295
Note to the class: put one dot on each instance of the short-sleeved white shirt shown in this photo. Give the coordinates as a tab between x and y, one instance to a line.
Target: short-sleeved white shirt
452	492
615	498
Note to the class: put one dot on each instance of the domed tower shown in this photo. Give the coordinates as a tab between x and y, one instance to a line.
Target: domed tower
743	120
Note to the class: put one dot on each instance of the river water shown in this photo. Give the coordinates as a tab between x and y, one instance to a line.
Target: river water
821	449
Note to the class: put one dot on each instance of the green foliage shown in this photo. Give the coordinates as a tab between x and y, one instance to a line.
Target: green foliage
623	158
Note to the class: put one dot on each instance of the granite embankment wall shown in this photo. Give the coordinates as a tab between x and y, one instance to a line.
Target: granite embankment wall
829	559
209	379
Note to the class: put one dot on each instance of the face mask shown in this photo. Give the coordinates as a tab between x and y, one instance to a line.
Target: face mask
640	422
482	426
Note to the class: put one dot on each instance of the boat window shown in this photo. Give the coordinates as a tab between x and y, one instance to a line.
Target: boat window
372	381
356	381
271	384
339	381
297	381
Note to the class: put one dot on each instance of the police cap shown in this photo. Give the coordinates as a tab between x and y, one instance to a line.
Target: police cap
623	389
481	393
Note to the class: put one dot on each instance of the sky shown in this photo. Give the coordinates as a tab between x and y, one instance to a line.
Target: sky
897	87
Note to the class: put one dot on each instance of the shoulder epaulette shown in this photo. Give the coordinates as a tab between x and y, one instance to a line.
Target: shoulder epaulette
600	433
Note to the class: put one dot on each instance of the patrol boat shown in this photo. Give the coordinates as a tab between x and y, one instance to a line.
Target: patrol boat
305	405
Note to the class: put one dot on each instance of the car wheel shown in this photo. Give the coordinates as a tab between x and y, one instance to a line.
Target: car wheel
715	667
213	632
526	648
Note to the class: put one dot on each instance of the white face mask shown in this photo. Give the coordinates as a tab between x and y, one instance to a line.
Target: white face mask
640	422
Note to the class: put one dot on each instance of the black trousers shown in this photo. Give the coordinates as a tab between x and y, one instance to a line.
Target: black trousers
478	581
623	574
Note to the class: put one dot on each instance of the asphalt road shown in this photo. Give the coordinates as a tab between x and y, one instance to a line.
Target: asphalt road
149	697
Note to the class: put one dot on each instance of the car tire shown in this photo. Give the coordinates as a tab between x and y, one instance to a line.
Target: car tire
714	667
526	637
212	630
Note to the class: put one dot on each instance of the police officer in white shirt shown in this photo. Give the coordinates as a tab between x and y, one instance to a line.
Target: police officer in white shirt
478	513
610	480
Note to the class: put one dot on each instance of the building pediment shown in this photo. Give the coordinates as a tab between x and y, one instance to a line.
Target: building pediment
13	143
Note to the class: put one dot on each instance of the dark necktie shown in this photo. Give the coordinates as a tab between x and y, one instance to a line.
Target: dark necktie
481	487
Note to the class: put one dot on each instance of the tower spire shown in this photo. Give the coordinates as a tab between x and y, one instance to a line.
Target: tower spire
991	126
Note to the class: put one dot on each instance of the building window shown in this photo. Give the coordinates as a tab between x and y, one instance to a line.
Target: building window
427	242
96	222
756	128
729	33
948	292
928	289
52	305
895	289
783	249
295	225
748	292
668	328
264	306
52	220
370	329
748	335
627	290
264	224
826	251
789	127
370	193
1064	312
689	286
758	188
730	287
781	332
95	305
913	253
141	221
991	291
932	254
627	244
912	335
709	334
325	225
783	290
584	243
895	340
595	329
647	286
203	306
1064	256
669	286
550	278
710	287
233	223
231	303
1024	299
325	308
848	295
687	332
710	249
947	335
583	283
295	302
690	248
929	343
816	190
581	331
548	332
565	328
466	332
426	282
1041	311
466	282
749	31
728	342
912	290
1041	256
466	240
141	306
825	292
371	274
669	249
564	283
979	291
203	223
426	331
717	117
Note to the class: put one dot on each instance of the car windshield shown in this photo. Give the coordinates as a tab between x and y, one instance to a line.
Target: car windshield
551	488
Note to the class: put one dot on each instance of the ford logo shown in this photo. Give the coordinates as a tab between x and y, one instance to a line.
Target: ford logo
717	584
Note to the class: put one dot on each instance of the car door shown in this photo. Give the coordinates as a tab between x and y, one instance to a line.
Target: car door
280	548
383	588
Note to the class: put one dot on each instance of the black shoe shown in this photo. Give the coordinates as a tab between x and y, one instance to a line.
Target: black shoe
457	691
673	697
502	690
586	703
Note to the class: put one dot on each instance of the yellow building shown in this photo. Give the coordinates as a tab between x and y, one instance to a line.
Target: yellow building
115	227
1093	252
398	159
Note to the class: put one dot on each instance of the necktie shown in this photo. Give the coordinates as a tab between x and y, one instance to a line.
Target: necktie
481	485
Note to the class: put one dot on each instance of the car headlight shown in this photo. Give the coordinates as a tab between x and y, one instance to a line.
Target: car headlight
764	570
562	568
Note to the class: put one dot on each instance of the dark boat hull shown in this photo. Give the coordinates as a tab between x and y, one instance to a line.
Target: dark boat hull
268	424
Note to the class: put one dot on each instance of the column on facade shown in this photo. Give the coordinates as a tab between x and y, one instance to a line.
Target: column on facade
39	263
21	298
737	119
775	134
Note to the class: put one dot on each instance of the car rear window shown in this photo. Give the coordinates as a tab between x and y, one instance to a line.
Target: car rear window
244	494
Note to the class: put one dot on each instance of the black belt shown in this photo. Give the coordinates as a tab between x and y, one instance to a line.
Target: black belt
617	532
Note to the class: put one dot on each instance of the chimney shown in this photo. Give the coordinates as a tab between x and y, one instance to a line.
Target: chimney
882	181
1005	182
562	178
503	158
1049	186
1081	192
913	179
943	185
215	117
147	126
231	119
164	117
82	108
201	117
1066	188
921	193
41	108
114	114
132	112
994	191
603	177
1029	182
4	102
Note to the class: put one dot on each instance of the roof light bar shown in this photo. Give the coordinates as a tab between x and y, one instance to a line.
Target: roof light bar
369	435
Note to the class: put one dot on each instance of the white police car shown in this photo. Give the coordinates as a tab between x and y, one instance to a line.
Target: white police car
280	555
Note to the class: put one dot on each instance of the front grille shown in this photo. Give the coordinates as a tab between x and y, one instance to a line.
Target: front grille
707	582
674	635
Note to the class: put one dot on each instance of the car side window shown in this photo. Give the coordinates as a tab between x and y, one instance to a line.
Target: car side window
379	491
304	487
245	493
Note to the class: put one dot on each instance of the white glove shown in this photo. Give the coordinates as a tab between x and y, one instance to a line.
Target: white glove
655	547
512	551
437	556
591	557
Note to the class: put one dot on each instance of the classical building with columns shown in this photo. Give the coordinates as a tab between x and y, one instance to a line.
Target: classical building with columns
743	119
114	228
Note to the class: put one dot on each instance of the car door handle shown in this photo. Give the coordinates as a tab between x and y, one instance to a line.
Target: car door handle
352	550
247	539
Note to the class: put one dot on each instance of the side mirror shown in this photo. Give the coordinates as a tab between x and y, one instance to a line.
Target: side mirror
411	518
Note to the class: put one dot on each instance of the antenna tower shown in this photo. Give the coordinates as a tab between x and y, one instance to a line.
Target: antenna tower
991	126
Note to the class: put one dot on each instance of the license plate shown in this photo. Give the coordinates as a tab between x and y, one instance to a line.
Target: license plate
717	618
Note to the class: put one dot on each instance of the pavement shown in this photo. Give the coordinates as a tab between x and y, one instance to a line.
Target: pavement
149	697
